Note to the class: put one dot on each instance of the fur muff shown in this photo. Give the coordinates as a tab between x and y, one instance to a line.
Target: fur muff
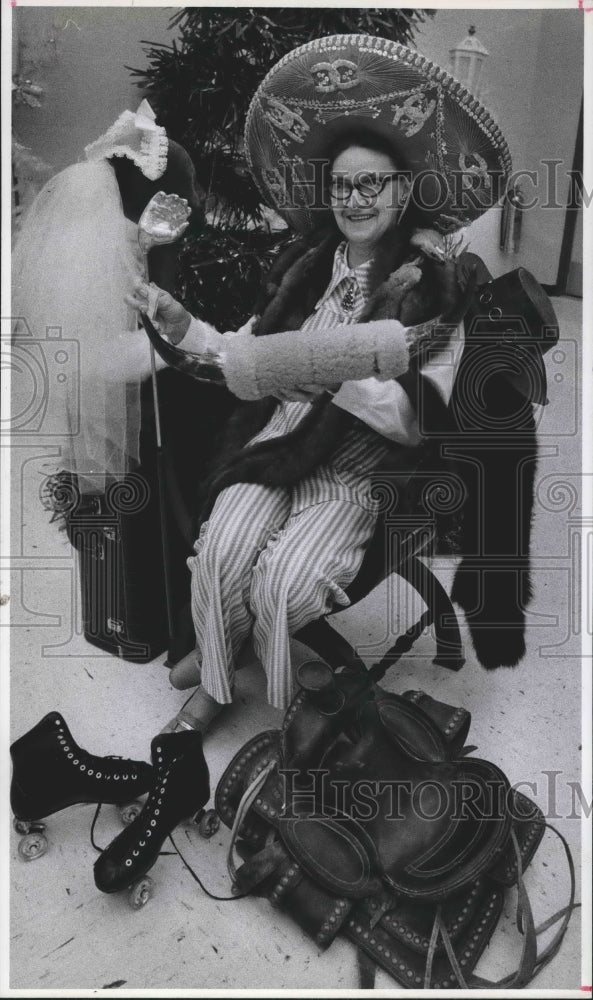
412	281
256	367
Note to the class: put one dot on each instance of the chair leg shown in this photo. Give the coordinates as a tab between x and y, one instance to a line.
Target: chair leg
328	644
337	651
440	610
402	645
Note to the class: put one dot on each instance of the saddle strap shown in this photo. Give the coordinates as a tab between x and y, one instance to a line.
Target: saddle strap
366	970
531	962
432	947
247	799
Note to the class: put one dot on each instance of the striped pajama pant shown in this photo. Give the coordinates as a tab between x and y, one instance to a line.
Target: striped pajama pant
267	566
271	560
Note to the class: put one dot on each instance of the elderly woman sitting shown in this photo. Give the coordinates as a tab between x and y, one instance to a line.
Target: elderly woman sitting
293	511
271	559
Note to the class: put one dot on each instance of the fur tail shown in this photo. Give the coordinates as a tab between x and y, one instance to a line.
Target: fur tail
494	603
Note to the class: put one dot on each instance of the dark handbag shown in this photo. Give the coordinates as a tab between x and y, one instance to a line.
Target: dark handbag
513	316
366	815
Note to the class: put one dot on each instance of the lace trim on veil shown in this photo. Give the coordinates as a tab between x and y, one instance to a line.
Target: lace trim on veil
136	136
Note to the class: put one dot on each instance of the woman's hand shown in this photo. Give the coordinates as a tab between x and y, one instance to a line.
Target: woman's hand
171	318
418	337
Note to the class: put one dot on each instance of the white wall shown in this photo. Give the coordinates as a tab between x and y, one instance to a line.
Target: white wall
532	83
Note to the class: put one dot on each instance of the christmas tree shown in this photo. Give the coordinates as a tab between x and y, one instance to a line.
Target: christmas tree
200	88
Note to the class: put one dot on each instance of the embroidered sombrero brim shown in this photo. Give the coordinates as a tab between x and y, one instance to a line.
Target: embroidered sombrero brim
342	82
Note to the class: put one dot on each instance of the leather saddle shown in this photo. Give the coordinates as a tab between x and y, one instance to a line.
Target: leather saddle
392	807
366	815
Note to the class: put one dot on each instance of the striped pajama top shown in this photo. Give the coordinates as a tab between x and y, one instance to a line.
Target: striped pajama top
347	475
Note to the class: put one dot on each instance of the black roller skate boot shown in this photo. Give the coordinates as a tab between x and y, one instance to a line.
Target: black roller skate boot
180	790
50	772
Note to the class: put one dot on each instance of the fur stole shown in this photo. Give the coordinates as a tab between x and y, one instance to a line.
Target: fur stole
411	283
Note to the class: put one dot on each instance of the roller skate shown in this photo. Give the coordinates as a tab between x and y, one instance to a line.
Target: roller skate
180	789
51	772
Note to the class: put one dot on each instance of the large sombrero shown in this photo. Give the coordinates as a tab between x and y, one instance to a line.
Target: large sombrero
344	82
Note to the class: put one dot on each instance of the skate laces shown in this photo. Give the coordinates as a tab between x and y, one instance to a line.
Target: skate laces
152	806
154	798
82	759
196	878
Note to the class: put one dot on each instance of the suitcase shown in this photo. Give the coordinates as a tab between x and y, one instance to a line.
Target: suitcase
118	533
121	570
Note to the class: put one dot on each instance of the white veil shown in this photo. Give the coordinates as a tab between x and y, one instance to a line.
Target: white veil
75	258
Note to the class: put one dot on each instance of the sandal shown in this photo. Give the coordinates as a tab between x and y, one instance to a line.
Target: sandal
204	710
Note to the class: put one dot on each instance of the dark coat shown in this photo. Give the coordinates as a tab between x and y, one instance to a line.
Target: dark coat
473	473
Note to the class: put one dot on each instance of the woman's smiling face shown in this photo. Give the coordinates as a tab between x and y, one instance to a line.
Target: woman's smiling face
362	217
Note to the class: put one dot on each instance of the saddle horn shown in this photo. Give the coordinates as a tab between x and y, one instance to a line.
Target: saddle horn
318	679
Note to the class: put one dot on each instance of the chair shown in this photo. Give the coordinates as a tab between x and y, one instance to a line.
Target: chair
396	547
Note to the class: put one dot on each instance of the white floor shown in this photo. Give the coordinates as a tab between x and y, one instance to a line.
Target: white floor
66	935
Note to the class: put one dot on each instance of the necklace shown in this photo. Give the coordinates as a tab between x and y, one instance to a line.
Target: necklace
349	297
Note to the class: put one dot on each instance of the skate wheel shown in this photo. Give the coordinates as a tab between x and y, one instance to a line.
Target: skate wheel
24	826
21	826
209	824
33	846
140	893
130	811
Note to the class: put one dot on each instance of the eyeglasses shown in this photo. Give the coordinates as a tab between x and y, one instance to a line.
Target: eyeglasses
368	185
